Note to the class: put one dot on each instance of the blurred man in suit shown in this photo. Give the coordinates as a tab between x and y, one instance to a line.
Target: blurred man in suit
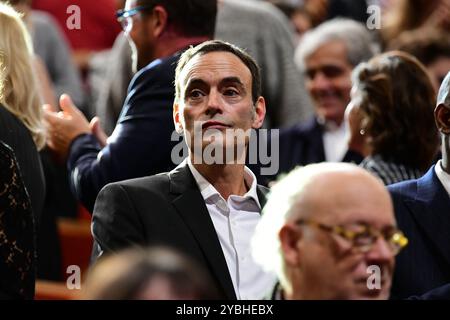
327	56
158	30
422	209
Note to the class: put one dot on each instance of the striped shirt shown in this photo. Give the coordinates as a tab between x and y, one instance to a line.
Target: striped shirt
389	172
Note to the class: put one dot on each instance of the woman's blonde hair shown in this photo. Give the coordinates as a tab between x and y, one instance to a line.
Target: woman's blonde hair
18	86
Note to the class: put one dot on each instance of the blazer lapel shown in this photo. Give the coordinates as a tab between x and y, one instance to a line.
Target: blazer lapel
190	205
262	193
431	209
316	147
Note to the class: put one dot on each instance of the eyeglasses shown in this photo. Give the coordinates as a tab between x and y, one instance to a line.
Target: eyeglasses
125	17
363	237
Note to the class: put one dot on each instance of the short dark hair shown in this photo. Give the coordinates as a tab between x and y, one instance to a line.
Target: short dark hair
397	106
220	46
189	17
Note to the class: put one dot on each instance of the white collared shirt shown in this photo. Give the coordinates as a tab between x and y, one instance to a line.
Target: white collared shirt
443	176
235	221
335	142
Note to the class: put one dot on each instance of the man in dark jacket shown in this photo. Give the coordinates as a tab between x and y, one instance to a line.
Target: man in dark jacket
141	142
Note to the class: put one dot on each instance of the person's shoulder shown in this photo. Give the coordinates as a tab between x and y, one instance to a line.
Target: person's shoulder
11	124
155	183
160	72
403	189
43	21
301	129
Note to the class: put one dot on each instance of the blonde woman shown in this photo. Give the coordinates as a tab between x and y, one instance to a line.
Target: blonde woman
21	125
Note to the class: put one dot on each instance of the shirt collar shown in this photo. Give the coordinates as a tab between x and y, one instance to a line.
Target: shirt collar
207	189
443	176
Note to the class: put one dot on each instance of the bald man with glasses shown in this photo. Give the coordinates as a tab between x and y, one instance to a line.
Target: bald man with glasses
328	231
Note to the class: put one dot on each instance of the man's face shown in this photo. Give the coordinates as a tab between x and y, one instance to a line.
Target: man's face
215	100
140	37
331	268
328	80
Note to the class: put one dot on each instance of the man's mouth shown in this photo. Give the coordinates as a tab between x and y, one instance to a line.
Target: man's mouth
214	125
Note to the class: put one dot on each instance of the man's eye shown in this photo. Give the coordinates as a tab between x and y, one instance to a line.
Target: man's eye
195	94
231	92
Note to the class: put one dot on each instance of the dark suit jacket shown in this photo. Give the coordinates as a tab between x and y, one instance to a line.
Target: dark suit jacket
14	133
141	143
302	144
422	209
165	209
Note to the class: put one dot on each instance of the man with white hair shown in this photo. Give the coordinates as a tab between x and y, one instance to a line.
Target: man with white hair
338	246
326	56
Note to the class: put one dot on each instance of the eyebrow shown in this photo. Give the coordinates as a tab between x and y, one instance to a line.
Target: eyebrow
232	80
224	81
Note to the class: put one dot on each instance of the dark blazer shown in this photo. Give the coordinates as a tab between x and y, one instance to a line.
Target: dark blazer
141	143
165	209
422	209
17	234
302	144
14	133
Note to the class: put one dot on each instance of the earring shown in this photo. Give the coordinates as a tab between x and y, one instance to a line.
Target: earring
362	132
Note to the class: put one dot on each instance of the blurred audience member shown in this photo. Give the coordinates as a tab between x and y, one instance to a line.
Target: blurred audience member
52	55
17	233
113	89
431	48
391	117
328	246
141	143
21	124
265	33
422	208
158	273
326	56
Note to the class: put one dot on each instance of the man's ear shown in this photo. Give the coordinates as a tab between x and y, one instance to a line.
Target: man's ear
260	113
176	118
290	236
159	21
442	118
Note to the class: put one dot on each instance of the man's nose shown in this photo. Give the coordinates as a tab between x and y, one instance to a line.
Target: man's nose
214	103
320	82
380	251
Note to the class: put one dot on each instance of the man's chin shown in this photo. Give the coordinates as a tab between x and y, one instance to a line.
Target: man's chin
364	292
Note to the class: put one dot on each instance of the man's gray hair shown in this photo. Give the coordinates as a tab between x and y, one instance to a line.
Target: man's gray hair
356	37
444	92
